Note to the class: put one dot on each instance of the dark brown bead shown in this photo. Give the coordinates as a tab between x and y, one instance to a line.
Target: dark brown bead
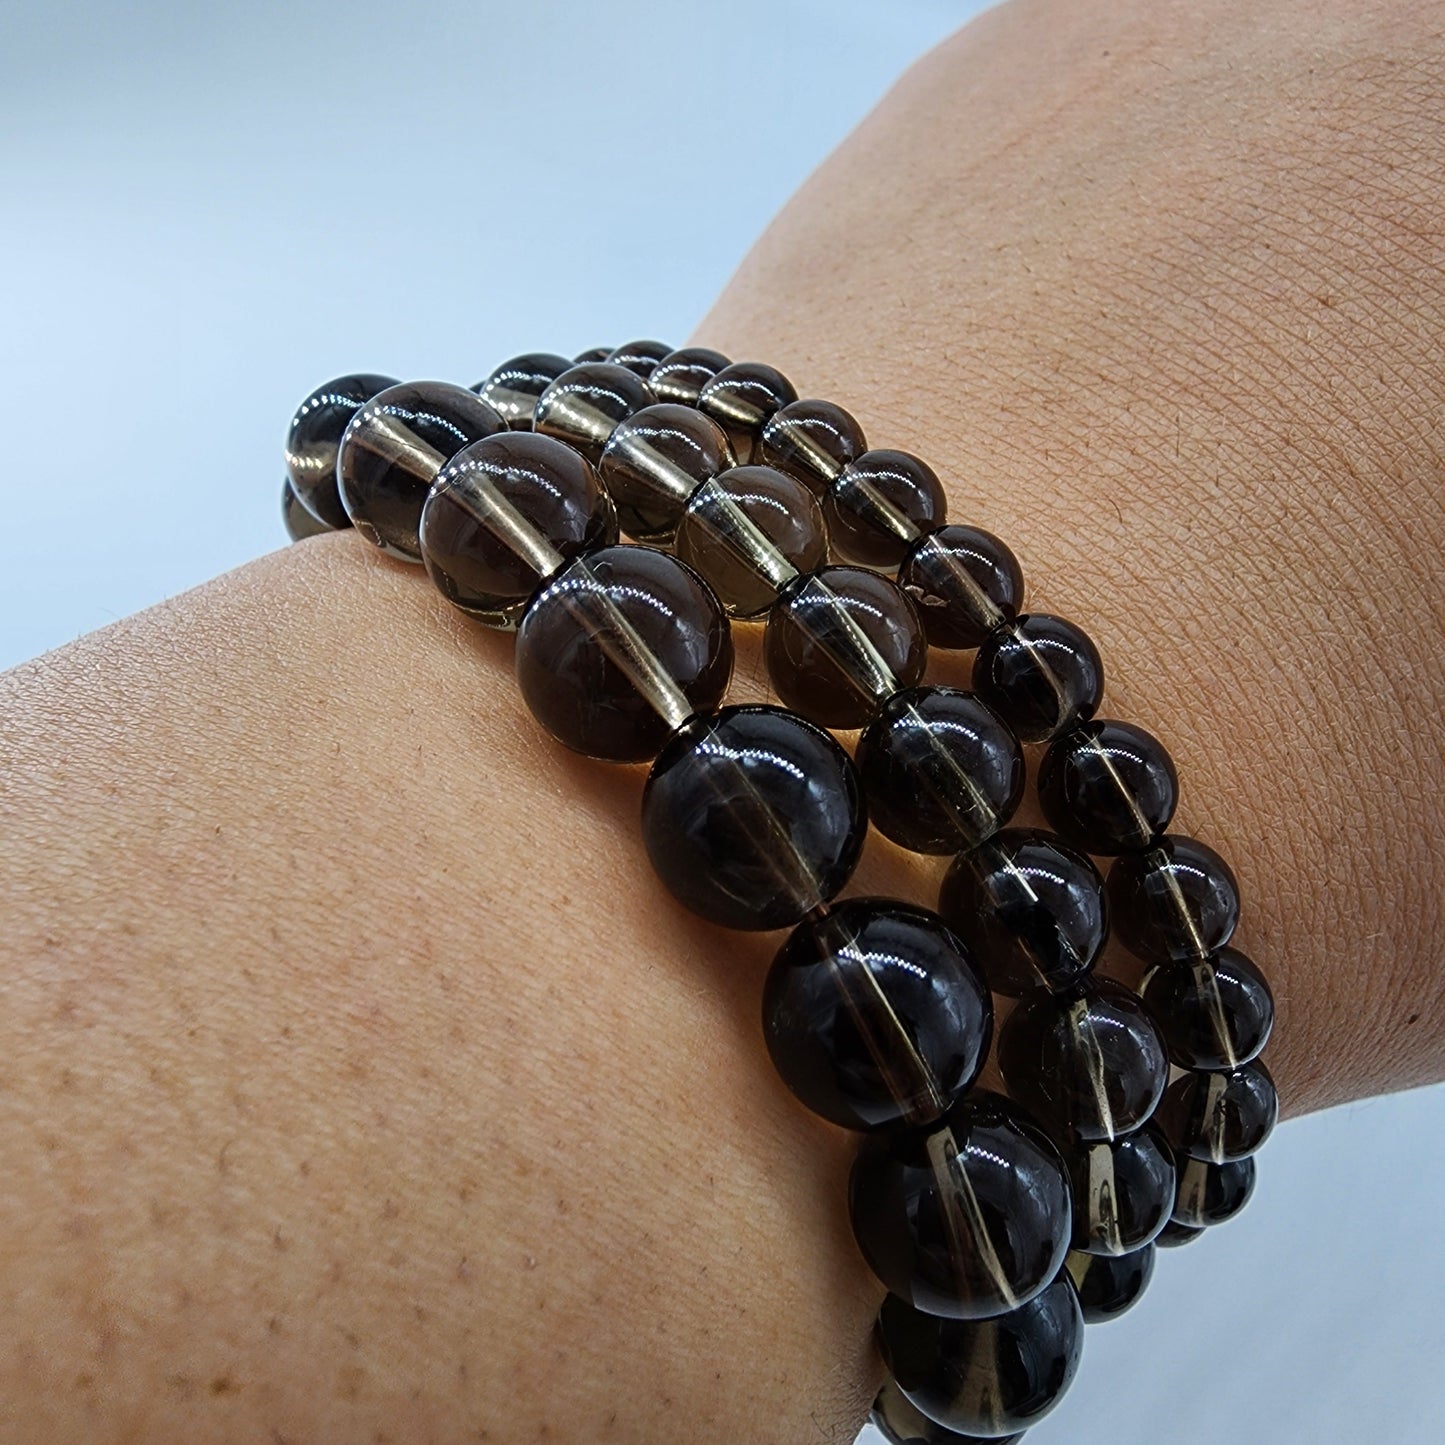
1214	1013
1040	674
879	505
584	405
965	582
812	440
513	388
314	436
299	523
1220	1117
1178	899
681	375
653	462
640	357
593	353
741	398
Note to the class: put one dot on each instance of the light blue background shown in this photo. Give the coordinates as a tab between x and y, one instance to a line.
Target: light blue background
208	210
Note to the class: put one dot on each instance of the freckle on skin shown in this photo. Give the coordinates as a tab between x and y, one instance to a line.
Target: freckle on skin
224	1385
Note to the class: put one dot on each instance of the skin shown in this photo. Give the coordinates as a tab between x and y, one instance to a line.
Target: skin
358	1082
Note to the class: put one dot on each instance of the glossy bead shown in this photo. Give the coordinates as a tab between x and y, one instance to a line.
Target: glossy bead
1041	674
619	649
1108	1285
392	450
750	531
1175	1236
314	436
1108	787
505	514
299	523
812	440
1030	907
840	641
940	769
1214	1013
965	582
968	1218
585	404
513	388
640	357
1088	1062
741	398
1212	1193
900	1422
681	375
1220	1117
753	818
874	1015
593	353
1122	1189
1178	899
879	505
653	462
985	1377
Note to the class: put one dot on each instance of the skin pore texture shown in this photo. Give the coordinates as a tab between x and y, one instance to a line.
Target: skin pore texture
358	1081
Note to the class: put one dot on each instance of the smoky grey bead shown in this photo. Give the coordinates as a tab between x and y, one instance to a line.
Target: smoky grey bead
1041	674
1207	1194
1177	899
593	353
1220	1117
315	434
392	450
880	504
1108	1285
741	398
299	523
1122	1190
900	1422
681	375
1176	1236
813	440
585	404
513	388
965	582
1214	1013
653	462
640	357
750	531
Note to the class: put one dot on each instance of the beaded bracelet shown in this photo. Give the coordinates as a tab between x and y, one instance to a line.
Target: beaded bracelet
998	1223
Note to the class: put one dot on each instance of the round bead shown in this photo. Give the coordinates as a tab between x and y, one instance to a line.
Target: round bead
1212	1193
741	398
1107	1285
900	1422
505	514
840	641
392	450
299	523
967	1219
619	649
812	440
1175	1236
1214	1013
965	582
1088	1062
1041	674
753	818
653	462
1030	907
640	357
681	375
749	532
1123	1191
593	353
1108	787
985	1377
513	388
879	505
1220	1117
584	404
940	769
314	436
1178	899
874	1015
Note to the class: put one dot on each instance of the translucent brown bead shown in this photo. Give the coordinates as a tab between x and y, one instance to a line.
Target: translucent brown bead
968	1218
1177	899
840	641
640	357
1122	1190
900	1422
941	770
392	450
1108	1285
299	523
1041	674
879	505
619	649
965	582
985	1377
750	531
593	353
1030	907
1089	1062
812	440
741	398
1175	1236
1220	1117
681	375
875	1015
513	388
753	818
1209	1194
653	462
313	438
504	515
1214	1013
584	405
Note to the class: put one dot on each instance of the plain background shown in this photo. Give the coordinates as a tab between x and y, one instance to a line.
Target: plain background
209	210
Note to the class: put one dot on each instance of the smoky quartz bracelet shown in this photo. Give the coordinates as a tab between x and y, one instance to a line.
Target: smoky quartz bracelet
999	1220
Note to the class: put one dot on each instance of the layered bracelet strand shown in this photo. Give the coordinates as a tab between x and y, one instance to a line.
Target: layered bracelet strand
999	1222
